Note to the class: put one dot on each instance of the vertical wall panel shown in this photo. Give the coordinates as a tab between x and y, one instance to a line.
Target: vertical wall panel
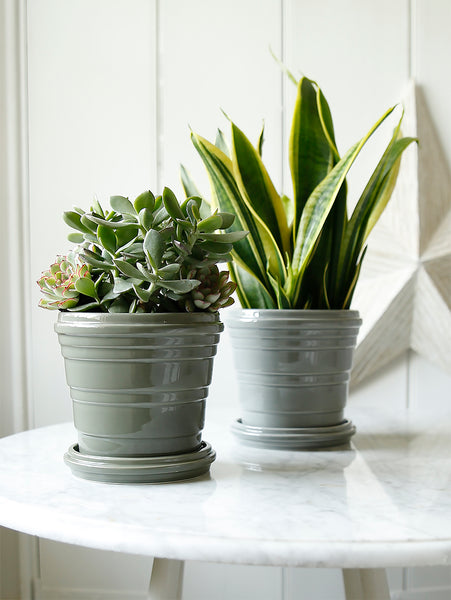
91	104
215	55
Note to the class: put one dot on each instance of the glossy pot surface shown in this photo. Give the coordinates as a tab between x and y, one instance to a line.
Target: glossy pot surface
293	366
138	382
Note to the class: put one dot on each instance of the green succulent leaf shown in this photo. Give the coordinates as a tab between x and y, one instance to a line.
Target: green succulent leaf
120	305
95	260
226	238
96	207
88	223
227	220
143	294
154	247
169	271
210	224
107	237
146	218
108	223
84	307
146	274
122	205
196	199
86	287
124	285
128	269
192	209
145	200
125	237
216	247
180	286
73	219
171	204
76	238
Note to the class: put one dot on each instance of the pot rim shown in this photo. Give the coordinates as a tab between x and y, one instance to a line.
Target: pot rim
146	318
269	314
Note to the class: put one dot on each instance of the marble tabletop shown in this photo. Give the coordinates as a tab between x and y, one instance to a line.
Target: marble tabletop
385	501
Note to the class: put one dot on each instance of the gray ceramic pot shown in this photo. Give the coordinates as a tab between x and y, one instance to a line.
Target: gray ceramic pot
293	371
138	382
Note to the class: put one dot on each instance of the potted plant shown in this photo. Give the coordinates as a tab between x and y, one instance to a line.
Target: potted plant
138	324
296	272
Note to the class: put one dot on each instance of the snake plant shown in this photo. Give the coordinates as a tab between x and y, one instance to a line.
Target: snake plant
150	255
304	252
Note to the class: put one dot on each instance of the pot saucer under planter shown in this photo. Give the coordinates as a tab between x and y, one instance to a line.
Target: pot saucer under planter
294	438
139	384
153	469
293	369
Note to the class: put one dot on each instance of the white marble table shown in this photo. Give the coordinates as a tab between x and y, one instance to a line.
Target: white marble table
384	502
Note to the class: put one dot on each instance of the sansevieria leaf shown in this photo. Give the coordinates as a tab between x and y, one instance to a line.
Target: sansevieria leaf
319	205
303	252
258	190
310	154
258	248
251	293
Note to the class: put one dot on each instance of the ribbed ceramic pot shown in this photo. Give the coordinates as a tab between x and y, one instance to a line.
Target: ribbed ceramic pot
293	366
138	382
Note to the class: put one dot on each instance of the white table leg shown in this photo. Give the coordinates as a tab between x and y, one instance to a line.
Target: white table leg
166	580
366	584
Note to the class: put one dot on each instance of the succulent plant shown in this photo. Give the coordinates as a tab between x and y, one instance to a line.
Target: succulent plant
150	255
213	292
306	252
59	282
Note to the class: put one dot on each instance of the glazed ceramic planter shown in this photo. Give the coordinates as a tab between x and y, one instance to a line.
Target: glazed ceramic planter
139	384
293	370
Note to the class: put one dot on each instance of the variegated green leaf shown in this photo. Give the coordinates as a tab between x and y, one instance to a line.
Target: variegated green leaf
251	293
319	205
310	154
254	251
369	208
258	190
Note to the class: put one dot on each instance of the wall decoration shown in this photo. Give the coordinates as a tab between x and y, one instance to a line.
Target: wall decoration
404	293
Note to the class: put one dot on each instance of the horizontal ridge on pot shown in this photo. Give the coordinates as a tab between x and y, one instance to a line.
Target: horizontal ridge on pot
139	384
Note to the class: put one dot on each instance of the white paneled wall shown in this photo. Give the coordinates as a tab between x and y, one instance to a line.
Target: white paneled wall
113	88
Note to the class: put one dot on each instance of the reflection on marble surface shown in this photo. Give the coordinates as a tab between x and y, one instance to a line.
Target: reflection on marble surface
383	501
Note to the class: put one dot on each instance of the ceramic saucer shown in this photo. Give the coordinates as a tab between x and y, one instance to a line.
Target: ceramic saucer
294	438
152	469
